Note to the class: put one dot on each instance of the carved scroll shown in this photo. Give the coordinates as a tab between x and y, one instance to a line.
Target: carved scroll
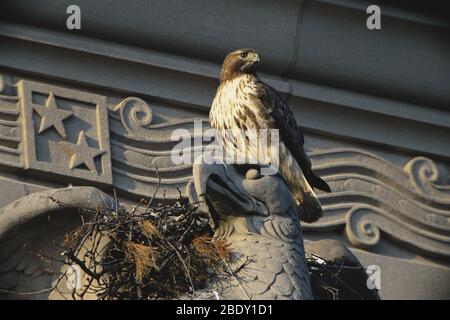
371	195
44	130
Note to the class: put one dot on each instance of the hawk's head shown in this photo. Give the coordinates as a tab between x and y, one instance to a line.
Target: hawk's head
239	62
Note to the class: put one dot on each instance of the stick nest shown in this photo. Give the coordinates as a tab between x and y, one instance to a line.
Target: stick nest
151	252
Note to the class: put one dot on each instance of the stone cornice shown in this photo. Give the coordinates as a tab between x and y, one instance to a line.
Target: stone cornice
192	82
324	42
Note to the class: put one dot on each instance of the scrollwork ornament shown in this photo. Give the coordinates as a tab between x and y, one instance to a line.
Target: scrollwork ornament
361	230
135	115
424	176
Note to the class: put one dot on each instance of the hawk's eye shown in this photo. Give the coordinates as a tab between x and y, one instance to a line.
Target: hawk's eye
244	55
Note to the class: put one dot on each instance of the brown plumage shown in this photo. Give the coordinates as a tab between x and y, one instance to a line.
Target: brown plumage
244	102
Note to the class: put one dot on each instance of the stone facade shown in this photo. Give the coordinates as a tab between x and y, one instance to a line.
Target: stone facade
97	107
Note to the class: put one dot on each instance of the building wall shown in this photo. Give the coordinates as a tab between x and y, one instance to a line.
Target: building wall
374	105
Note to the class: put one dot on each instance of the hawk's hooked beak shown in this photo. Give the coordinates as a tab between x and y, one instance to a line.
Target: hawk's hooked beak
255	58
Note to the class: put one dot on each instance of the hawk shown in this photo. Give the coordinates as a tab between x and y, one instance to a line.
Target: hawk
243	102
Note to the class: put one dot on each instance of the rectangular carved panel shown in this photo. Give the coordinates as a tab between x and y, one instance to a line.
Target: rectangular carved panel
65	132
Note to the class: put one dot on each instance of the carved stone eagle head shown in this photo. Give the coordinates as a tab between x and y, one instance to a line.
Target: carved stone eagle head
223	190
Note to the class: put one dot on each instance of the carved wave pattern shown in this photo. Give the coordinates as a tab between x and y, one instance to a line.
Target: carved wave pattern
9	125
370	195
141	151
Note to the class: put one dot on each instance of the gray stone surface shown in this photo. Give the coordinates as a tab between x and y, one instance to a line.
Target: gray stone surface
375	127
65	132
29	227
408	279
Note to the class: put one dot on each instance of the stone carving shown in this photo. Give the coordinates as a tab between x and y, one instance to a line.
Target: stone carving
82	153
129	149
370	194
142	150
255	216
69	138
135	114
424	175
29	227
9	125
52	116
265	239
137	117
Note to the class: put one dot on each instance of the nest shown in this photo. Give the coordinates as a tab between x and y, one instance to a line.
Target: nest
164	251
156	251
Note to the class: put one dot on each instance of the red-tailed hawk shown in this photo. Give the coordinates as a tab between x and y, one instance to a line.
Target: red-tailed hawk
244	102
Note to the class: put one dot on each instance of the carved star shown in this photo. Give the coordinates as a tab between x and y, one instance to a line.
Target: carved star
52	116
83	153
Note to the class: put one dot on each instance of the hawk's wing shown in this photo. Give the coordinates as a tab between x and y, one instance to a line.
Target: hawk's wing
289	131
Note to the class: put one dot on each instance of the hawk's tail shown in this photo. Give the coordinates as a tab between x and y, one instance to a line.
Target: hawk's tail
317	182
309	206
